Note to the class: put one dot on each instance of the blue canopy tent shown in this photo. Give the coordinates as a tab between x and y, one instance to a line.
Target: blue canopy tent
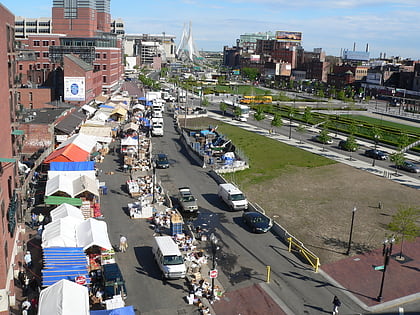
72	166
106	106
149	103
64	263
142	98
127	310
146	121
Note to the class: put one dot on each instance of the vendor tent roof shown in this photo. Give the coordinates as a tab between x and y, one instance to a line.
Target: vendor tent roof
65	210
129	141
97	131
89	108
126	310
71	186
70	153
85	142
72	166
93	232
60	184
131	126
58	200
61	233
64	298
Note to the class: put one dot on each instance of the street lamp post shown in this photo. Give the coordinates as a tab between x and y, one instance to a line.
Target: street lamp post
386	252
213	241
351	230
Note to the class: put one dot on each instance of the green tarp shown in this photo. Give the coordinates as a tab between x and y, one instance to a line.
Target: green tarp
57	200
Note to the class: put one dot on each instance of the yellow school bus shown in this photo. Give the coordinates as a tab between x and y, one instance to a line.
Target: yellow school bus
258	99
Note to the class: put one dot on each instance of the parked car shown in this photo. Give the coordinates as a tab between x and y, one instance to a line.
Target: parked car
257	222
187	201
162	161
345	145
409	167
318	138
376	154
113	281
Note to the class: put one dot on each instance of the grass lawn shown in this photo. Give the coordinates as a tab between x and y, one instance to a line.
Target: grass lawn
268	158
380	122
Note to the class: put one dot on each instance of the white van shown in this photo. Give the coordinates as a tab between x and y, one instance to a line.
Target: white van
233	197
157	130
169	257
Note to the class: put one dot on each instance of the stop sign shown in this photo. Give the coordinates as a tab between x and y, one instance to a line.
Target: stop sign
81	280
213	273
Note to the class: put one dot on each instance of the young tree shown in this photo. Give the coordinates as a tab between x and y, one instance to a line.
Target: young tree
300	129
205	102
307	115
223	107
404	223
398	159
259	114
277	121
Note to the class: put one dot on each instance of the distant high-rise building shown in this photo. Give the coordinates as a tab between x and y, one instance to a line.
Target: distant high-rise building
81	18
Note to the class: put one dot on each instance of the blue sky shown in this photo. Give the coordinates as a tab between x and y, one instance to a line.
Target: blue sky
388	26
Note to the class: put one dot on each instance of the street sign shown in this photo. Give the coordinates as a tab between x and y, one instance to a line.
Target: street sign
379	267
213	273
80	280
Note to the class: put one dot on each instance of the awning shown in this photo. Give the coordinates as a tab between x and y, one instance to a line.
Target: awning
66	210
58	200
61	232
18	132
7	160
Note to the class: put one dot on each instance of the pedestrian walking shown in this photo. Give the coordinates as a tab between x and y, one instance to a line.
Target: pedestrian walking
336	304
26	305
41	218
28	259
123	244
34	219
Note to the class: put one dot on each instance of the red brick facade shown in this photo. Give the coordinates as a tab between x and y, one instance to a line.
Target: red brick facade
8	170
85	25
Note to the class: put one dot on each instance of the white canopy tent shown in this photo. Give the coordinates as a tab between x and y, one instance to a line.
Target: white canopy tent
92	232
72	174
85	142
64	298
65	210
61	233
72	186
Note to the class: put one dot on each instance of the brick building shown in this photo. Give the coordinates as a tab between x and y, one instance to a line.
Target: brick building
10	140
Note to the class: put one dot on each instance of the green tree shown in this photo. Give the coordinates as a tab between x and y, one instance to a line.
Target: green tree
223	107
301	130
404	223
398	159
277	121
307	115
205	102
259	113
250	73
237	112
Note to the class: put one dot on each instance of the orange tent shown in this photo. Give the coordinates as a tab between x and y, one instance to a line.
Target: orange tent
69	153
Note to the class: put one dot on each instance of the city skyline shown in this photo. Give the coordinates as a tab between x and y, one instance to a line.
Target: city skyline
387	26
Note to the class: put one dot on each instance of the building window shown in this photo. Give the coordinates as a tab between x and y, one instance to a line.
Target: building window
98	56
45	43
30	97
20	67
104	79
46	65
30	67
53	43
103	67
45	54
97	67
38	66
104	56
37	54
36	43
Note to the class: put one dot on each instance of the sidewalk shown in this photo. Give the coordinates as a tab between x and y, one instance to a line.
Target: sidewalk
361	282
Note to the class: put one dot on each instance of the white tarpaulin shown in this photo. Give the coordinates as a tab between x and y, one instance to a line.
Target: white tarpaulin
84	142
66	210
129	142
92	232
72	174
61	233
64	298
71	186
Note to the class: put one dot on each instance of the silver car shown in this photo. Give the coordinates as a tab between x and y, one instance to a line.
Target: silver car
187	202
